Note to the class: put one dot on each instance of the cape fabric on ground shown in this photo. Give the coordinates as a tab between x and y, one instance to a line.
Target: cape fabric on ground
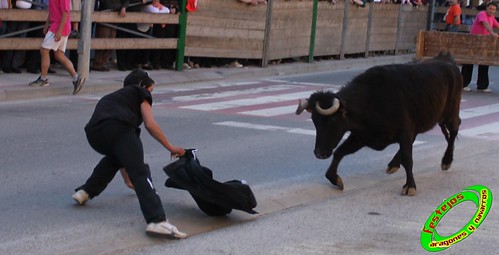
213	198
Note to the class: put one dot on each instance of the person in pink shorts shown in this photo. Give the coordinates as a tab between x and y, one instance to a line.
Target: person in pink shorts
56	30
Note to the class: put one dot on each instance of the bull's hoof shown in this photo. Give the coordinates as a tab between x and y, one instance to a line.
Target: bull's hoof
336	181
406	191
339	182
445	166
392	169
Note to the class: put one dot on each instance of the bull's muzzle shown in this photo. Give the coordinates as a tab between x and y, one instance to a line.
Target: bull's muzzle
322	154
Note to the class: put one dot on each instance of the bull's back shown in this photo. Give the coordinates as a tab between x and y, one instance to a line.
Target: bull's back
419	94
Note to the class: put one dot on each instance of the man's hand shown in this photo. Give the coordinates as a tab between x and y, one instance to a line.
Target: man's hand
177	152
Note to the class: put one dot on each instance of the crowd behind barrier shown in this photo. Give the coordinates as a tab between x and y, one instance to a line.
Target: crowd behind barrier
223	32
469	9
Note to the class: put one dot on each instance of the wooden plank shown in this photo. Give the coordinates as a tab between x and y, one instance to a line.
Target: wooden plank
286	4
288	53
97	16
229	9
465	48
96	43
207	31
328	28
461	28
420	42
215	42
227	23
223	53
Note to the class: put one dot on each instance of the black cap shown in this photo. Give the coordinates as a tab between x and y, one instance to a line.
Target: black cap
138	77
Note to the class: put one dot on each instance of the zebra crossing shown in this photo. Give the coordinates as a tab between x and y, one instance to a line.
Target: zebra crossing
269	98
278	99
480	121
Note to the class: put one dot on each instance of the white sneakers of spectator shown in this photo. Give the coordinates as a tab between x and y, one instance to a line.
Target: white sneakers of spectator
468	89
235	64
484	90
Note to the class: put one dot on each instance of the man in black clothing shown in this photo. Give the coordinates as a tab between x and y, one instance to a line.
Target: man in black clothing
113	130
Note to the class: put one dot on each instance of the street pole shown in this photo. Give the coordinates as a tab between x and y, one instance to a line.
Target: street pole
431	14
311	49
85	38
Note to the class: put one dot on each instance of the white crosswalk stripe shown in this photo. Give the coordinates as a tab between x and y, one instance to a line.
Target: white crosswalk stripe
478	111
300	131
483	130
486	130
266	127
247	102
227	94
273	111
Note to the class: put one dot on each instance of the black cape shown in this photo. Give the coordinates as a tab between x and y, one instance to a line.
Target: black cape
213	198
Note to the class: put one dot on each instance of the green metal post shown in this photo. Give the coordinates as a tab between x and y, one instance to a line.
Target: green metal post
182	22
312	34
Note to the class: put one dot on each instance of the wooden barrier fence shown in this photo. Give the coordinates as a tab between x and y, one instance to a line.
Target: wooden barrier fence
280	29
283	29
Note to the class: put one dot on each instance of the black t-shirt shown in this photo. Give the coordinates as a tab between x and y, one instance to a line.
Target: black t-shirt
122	105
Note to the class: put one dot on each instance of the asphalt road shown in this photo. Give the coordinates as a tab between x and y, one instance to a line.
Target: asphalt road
45	156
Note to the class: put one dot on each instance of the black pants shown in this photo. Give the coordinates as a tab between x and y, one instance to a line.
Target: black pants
164	57
483	76
130	59
125	58
122	147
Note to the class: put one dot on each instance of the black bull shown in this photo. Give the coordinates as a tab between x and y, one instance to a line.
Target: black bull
385	105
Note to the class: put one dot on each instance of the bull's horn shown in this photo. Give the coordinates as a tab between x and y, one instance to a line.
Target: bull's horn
302	105
330	110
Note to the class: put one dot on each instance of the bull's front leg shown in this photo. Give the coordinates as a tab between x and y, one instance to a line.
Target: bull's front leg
331	173
394	164
349	146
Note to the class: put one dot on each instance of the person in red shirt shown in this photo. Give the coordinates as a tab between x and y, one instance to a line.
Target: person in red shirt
453	17
484	24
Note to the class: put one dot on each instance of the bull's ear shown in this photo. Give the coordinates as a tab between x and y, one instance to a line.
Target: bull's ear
302	105
308	109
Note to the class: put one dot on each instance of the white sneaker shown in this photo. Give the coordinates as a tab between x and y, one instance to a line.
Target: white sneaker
466	89
164	229
235	64
81	197
484	90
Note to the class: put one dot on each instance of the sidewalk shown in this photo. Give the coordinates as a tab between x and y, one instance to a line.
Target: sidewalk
15	86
